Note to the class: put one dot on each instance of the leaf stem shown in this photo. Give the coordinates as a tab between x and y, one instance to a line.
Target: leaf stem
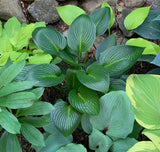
109	31
61	90
123	36
79	57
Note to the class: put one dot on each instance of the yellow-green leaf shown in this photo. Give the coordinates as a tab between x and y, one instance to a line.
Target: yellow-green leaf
69	13
150	47
143	146
105	4
144	92
136	18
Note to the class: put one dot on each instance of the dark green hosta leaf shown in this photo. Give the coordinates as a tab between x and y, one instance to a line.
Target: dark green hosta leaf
15	87
150	29
38	108
72	148
116	116
46	75
99	142
9	143
9	122
118	59
38	92
35	121
107	43
65	117
156	60
18	100
85	123
123	145
32	134
54	141
84	100
95	77
101	19
49	40
117	84
8	74
81	34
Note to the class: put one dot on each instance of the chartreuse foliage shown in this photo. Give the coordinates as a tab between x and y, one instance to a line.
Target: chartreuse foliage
19	102
15	43
145	100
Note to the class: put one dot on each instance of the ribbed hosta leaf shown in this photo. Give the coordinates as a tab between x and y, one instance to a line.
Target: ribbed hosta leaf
38	108
49	40
101	19
95	77
46	75
81	38
9	143
156	60
65	117
119	59
136	18
122	145
143	90
143	146
116	116
72	147
150	28
32	134
86	125
67	15
9	122
107	43
18	100
15	87
84	100
153	135
99	142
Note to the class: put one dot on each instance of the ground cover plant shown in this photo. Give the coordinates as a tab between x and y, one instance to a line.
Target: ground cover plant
95	95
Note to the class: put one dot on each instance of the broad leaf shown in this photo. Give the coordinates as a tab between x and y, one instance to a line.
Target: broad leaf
54	142
84	100
9	122
143	146
150	47
10	73
153	135
81	38
150	29
32	134
35	121
18	100
46	74
85	123
38	92
49	40
156	60
69	13
38	108
143	91
99	142
101	19
95	77
117	84
72	148
111	12
9	143
122	145
69	117
136	18
119	59
107	43
15	87
116	116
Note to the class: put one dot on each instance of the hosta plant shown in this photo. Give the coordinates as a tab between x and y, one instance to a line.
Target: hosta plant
15	43
19	104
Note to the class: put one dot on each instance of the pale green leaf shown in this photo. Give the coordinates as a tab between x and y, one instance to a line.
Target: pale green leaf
136	18
150	47
69	13
143	91
9	122
143	146
32	134
85	123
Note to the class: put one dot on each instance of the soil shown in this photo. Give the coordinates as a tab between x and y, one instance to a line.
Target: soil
52	94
